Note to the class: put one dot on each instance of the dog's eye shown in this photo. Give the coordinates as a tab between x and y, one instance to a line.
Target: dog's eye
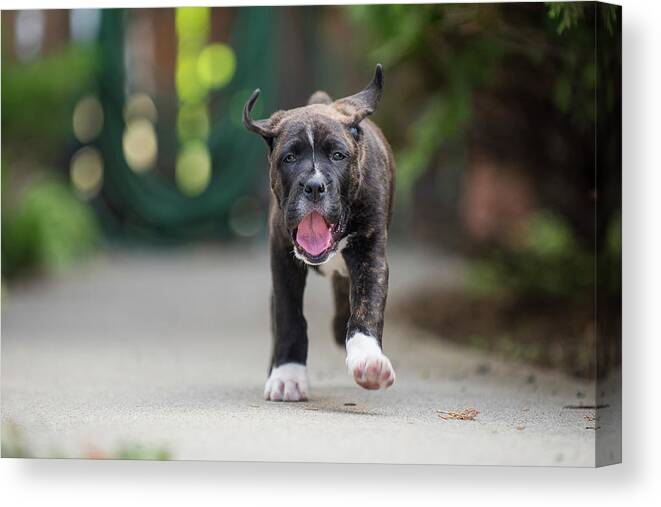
338	156
290	158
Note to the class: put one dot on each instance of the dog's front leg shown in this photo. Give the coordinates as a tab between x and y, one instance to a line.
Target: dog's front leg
287	377
368	271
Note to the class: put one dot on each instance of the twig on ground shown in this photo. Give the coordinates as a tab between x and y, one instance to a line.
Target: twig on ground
468	414
586	407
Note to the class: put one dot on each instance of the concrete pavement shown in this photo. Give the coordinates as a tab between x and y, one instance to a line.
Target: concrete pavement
170	349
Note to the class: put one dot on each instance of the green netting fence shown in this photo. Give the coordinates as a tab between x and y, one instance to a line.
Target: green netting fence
151	205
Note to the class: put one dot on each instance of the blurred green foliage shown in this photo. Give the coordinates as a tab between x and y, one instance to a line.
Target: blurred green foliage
14	445
140	451
433	43
610	258
49	228
548	262
45	226
454	50
442	56
568	15
44	89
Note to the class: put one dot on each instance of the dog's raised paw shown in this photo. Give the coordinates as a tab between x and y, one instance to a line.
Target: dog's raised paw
368	365
287	382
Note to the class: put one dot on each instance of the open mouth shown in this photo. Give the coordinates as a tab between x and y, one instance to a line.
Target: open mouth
315	237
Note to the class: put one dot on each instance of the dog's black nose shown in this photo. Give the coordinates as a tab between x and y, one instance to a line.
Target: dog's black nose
314	189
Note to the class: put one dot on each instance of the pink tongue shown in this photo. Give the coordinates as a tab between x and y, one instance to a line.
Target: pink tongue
313	234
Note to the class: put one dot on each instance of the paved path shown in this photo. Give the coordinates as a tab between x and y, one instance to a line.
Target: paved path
170	349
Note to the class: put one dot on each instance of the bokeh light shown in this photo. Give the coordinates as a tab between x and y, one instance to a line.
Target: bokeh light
246	217
193	122
189	86
216	65
86	171
140	145
192	25
87	119
193	170
84	24
140	105
29	34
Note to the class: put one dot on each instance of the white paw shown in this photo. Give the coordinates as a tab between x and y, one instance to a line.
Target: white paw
369	366
287	382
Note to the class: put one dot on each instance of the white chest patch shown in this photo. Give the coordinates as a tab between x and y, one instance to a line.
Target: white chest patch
336	263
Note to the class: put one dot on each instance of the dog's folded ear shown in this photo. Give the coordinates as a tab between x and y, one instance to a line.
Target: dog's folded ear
262	127
363	103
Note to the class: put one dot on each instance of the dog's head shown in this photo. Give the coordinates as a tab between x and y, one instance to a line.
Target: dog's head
315	162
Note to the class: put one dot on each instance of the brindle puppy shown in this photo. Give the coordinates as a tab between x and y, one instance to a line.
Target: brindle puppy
331	174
